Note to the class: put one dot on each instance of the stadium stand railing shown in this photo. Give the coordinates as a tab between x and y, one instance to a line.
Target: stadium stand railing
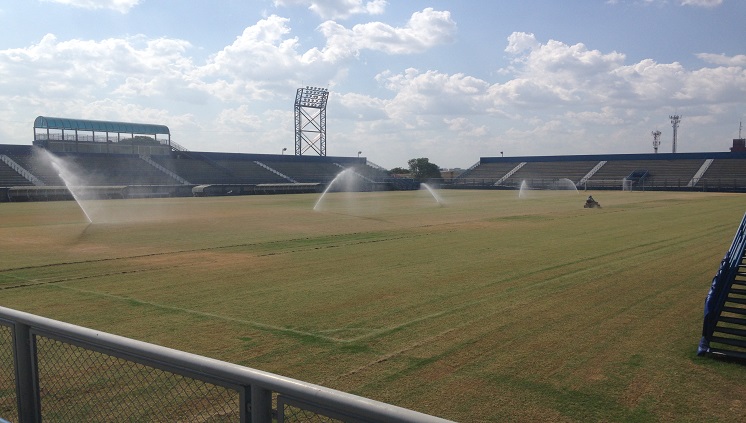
14	173
168	172
54	371
41	169
276	172
724	325
700	172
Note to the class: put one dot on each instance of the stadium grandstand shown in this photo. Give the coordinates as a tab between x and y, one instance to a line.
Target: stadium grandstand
125	160
129	160
717	171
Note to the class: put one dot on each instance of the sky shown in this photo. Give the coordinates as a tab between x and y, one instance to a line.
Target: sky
452	81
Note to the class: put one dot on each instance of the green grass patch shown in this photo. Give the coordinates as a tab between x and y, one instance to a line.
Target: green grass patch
489	308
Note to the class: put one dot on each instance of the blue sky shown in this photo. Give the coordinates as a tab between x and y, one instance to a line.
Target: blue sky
448	80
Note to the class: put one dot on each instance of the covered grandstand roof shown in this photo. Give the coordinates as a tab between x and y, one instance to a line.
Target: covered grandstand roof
99	126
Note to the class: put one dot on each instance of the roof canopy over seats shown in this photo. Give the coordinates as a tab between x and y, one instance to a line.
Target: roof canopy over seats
99	126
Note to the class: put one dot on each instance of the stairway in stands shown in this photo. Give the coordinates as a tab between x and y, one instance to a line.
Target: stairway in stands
724	327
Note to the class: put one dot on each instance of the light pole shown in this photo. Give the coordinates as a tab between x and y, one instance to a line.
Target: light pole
359	153
675	119
656	140
283	150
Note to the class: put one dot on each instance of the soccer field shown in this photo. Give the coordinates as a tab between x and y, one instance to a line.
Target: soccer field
486	307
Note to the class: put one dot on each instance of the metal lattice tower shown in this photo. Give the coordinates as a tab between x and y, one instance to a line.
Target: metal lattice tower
656	140
310	120
675	119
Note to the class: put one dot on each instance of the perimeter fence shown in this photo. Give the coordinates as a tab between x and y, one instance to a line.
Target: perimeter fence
57	372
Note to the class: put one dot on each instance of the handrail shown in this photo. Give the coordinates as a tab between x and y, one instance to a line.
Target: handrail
21	170
260	384
275	171
721	283
158	166
592	172
509	174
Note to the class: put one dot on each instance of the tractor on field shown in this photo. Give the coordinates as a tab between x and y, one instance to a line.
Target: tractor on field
590	203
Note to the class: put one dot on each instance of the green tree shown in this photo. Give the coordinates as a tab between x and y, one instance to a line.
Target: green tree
398	171
422	170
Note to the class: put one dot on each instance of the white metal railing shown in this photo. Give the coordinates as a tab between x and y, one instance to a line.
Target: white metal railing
509	174
37	342
156	165
176	146
358	174
21	171
702	169
375	166
590	174
276	172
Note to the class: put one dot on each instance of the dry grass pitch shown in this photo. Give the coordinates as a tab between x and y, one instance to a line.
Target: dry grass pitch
489	308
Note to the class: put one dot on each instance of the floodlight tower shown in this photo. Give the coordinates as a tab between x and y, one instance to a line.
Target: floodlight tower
656	140
675	119
310	120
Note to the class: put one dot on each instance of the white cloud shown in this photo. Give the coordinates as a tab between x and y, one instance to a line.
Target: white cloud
267	48
702	3
555	73
723	60
337	9
519	42
423	31
121	6
359	106
552	92
694	3
432	93
78	68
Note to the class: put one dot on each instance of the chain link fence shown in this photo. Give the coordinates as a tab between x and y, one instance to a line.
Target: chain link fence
8	400
57	372
78	384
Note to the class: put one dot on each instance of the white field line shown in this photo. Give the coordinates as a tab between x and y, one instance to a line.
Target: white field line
253	323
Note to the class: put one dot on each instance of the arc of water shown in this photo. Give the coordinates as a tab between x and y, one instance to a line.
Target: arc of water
432	192
339	176
68	179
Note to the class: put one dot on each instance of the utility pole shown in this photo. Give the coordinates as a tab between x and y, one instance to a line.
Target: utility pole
675	119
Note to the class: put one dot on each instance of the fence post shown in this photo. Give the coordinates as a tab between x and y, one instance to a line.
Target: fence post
261	405
24	353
